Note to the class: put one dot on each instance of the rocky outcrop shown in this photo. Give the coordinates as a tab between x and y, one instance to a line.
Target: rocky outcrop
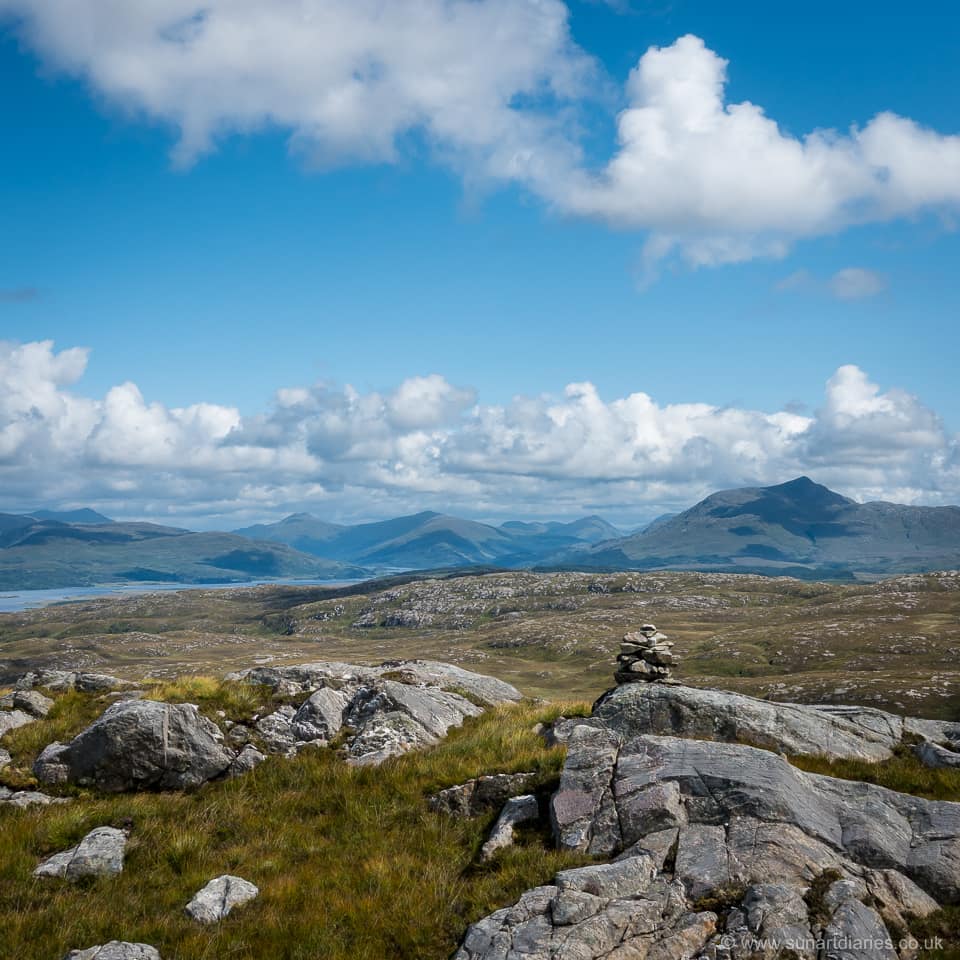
246	760
140	744
853	732
725	850
116	950
382	711
99	854
219	897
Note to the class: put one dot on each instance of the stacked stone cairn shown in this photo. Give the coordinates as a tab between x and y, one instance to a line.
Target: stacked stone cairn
645	657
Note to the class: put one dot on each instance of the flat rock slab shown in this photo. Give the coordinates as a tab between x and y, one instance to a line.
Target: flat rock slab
860	733
99	854
141	744
219	897
116	950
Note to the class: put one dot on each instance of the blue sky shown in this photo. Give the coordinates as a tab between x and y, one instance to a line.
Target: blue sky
274	250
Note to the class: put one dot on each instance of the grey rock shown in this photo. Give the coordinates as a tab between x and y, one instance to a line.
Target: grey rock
388	718
29	701
219	897
478	795
245	761
51	765
5	758
21	799
63	680
13	720
116	950
99	854
320	717
145	744
701	862
276	731
856	932
840	732
898	898
934	755
803	818
515	811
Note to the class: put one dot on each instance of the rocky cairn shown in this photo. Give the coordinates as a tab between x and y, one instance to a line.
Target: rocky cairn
646	656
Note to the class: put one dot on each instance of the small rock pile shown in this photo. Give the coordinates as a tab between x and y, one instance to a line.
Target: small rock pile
645	656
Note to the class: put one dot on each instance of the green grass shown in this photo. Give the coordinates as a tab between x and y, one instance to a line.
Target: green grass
903	772
350	861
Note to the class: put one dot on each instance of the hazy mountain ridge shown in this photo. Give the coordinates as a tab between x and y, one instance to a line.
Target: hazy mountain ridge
797	527
39	554
430	539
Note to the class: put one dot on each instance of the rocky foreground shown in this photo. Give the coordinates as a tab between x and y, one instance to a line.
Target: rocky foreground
709	842
721	849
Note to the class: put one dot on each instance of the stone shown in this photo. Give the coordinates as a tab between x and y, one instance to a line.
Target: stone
219	897
144	745
99	854
515	811
116	950
645	656
389	717
63	680
856	932
5	758
51	765
480	794
860	733
29	701
935	755
276	731
21	799
13	720
701	862
245	761
320	717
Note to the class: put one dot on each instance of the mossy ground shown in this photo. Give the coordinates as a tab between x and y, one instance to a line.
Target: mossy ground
350	861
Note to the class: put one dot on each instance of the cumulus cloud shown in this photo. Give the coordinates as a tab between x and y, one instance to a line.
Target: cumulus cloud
498	89
430	444
856	283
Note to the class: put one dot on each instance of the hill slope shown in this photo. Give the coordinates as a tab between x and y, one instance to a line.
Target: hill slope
799	526
39	554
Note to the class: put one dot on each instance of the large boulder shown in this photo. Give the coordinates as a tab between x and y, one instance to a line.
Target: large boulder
63	680
723	850
141	744
29	701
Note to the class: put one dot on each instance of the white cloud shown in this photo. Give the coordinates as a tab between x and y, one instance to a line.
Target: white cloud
498	89
722	182
857	283
429	444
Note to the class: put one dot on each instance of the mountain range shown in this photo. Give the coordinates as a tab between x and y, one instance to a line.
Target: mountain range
799	528
41	552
